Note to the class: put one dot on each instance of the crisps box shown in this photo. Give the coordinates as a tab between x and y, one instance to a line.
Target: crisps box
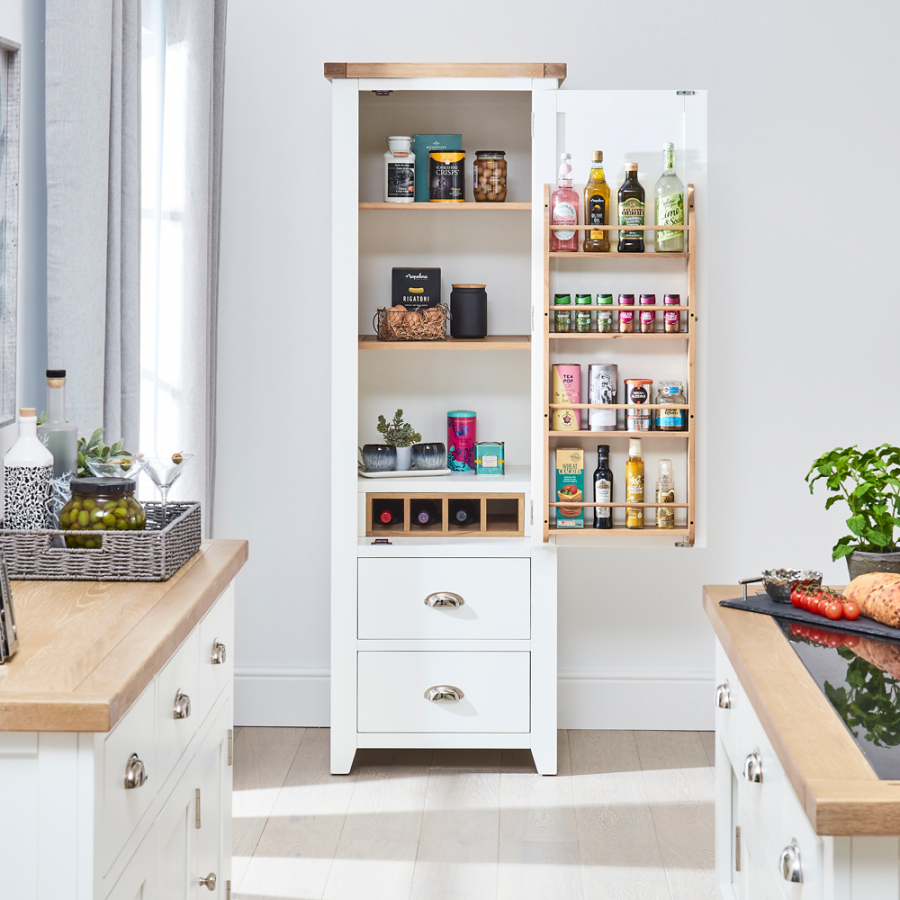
570	486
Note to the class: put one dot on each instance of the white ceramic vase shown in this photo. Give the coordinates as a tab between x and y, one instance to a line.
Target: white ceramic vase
404	459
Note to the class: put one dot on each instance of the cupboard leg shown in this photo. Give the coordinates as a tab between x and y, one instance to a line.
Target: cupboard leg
543	749
343	752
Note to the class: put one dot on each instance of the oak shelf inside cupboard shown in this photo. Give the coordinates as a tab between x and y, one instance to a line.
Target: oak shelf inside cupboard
491	342
620	433
614	254
468	206
618	531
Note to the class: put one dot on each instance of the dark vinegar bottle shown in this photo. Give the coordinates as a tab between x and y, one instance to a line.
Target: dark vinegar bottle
631	211
424	512
603	488
463	512
387	512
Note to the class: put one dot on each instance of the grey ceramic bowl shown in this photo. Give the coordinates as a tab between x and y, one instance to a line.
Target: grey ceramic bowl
429	456
379	457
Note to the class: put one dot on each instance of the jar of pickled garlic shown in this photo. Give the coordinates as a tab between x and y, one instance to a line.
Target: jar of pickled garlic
98	505
489	177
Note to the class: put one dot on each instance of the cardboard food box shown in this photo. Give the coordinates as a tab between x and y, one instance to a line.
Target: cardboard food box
570	486
422	145
416	289
489	458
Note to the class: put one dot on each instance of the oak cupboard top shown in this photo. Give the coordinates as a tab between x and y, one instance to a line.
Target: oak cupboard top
836	786
445	70
88	648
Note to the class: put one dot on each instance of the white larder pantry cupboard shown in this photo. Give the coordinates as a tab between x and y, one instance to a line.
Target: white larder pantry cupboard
446	636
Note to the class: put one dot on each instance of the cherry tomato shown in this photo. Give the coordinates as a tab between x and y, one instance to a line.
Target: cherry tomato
835	641
851	640
851	611
834	610
796	628
804	600
796	596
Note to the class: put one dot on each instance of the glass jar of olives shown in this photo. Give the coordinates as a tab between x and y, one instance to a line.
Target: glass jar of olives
100	504
489	177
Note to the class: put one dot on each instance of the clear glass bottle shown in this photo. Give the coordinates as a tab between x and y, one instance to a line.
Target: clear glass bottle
665	493
596	206
56	434
564	208
669	205
634	485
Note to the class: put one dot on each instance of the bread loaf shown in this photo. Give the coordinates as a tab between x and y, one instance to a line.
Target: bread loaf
877	594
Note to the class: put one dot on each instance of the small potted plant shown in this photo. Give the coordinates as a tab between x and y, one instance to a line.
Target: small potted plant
869	483
400	435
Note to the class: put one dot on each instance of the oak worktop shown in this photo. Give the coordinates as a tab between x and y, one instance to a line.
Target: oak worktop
88	648
833	781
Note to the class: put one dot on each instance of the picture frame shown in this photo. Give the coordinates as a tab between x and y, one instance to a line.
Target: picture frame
9	636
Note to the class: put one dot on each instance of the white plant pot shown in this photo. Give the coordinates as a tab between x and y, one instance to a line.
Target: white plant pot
404	459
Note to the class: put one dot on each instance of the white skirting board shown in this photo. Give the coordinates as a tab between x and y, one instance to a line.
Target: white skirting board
648	700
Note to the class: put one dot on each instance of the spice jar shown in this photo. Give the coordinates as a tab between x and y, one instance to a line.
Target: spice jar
489	177
562	318
648	317
673	415
583	316
604	319
626	318
672	320
100	504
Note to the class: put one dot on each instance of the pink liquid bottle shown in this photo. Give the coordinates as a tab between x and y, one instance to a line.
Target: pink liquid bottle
564	207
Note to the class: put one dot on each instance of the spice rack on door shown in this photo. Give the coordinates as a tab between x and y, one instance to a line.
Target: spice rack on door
686	529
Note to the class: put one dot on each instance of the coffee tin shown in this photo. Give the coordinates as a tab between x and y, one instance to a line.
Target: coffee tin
565	388
461	440
638	391
603	383
446	182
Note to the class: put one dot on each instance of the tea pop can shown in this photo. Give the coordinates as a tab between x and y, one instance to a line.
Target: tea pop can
461	440
566	388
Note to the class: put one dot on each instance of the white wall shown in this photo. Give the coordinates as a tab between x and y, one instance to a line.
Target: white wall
799	316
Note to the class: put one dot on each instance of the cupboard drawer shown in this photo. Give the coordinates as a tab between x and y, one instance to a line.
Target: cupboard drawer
123	808
180	675
216	628
494	593
495	686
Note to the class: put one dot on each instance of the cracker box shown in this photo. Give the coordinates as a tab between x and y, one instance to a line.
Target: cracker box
489	458
570	486
416	289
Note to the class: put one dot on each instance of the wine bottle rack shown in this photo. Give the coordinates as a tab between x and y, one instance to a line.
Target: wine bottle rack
500	515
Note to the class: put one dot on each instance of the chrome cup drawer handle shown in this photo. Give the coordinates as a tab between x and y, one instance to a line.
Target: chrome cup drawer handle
444	598
753	768
443	692
182	708
135	773
723	696
209	882
790	863
218	653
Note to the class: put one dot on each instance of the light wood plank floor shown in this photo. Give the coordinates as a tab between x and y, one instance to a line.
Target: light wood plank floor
628	817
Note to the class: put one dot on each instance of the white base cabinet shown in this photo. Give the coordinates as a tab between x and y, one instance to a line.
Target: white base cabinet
72	830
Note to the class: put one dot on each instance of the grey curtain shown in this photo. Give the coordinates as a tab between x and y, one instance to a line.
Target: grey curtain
93	109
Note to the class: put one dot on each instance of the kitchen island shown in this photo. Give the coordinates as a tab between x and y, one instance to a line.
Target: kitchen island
801	813
116	735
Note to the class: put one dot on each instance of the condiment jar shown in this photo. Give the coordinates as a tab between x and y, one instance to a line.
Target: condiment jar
583	316
672	320
489	176
671	417
399	170
604	319
100	504
562	318
626	318
648	317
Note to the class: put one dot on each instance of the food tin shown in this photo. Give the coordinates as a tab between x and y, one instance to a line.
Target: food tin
445	176
423	146
570	486
566	388
461	440
603	383
489	458
637	391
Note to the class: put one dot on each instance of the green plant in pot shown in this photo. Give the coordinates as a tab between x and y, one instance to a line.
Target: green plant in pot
400	435
869	483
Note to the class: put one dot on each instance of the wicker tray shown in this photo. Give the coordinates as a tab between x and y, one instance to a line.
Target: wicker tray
154	554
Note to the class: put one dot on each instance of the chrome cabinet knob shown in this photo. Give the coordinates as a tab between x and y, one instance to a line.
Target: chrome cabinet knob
723	696
135	773
209	882
218	653
444	692
444	598
753	768
790	863
182	708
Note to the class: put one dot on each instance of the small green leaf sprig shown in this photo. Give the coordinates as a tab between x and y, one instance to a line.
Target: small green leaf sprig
94	448
398	433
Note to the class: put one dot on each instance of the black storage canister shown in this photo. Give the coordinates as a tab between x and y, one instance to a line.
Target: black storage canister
468	311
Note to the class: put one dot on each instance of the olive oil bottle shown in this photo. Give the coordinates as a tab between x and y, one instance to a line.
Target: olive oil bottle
634	485
596	206
631	211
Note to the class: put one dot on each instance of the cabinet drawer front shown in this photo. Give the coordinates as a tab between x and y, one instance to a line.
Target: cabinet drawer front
727	718
181	676
495	686
495	596
123	808
216	628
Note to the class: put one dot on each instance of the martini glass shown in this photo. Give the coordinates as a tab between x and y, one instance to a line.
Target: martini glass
118	466
164	471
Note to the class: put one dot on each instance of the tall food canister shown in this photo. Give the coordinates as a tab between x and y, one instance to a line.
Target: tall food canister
603	381
468	311
638	391
565	388
461	440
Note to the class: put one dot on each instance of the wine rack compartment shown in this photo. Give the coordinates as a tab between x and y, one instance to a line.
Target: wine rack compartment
445	515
